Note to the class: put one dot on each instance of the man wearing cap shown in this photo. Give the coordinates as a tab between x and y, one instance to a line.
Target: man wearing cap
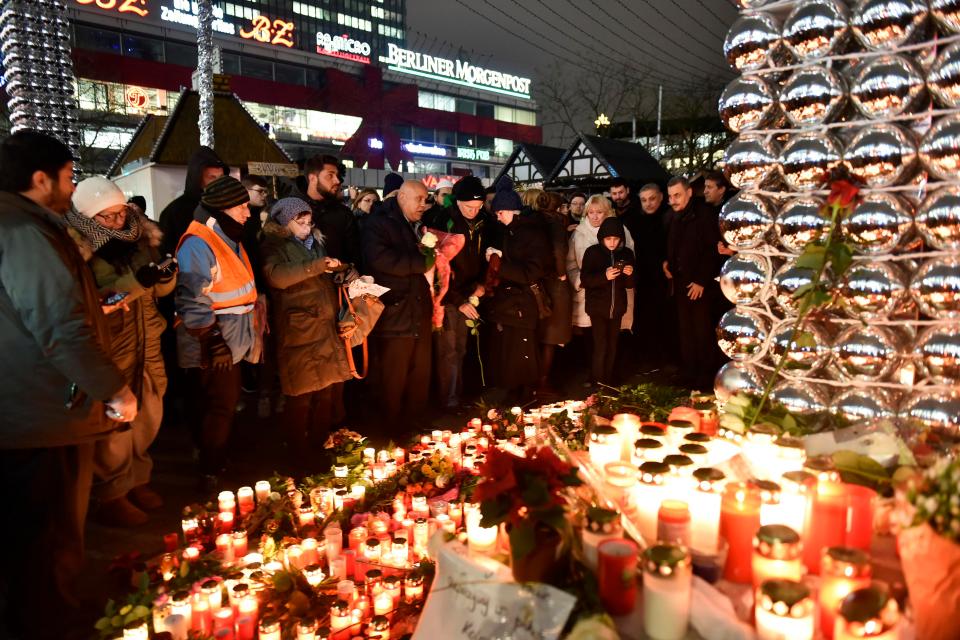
215	299
465	216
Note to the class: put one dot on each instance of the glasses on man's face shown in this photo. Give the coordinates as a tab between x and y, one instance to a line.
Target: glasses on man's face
304	221
115	216
259	190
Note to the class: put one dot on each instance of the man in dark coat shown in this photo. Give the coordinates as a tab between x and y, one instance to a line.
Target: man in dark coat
58	382
204	167
691	264
320	188
401	339
466	217
716	192
624	202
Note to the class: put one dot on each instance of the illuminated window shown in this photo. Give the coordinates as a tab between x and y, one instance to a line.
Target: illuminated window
502	146
311	11
439	101
107	137
390	32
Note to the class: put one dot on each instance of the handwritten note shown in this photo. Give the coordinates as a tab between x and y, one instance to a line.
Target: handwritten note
477	599
365	284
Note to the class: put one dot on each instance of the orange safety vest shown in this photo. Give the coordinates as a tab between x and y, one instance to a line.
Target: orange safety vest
232	289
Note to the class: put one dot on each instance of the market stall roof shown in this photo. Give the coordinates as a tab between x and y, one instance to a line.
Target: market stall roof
172	140
592	161
530	163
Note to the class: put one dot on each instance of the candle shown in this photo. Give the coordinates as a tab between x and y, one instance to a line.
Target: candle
421	534
307	628
245	500
842	571
784	611
628	426
790	454
796	501
213	592
340	619
346	591
601	524
310	553
705	510
191	553
223	619
372	551
680	482
655	431
340	470
456	514
648	493
828	520
136	630
617	575
201	617
225	521
373	582
619	479
239	543
170	542
349	557
673	523
176	625
677	429
739	521
293	557
306	516
604	445
860	516
868	612
333	536
418	503
769	500
226	501
190	526
698	453
369	455
759	452
247	617
225	547
161	609
270	629
379	628
667	582
709	418
412	588
647	449
399	455
776	554
391	586
262	489
357	536
383	605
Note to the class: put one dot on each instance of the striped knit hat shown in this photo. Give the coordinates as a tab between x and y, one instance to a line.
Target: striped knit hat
224	193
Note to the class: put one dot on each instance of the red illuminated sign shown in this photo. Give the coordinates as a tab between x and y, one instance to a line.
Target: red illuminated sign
138	7
136	97
278	32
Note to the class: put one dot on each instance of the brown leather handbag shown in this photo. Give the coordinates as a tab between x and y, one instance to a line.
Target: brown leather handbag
355	321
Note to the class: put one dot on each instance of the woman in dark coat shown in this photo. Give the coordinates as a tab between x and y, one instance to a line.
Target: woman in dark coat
557	330
524	260
311	356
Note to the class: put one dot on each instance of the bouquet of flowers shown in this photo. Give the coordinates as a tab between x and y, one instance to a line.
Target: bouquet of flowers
440	248
346	446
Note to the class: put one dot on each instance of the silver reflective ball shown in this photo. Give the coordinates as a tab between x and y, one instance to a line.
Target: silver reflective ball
813	28
860	404
746	104
933	410
751	4
880	155
936	288
749	161
940	148
801	398
807	160
812	96
944	78
939	351
742	334
750	41
886	86
878	223
788	279
871	290
806	347
736	377
938	218
865	353
946	13
887	24
744	277
801	221
745	220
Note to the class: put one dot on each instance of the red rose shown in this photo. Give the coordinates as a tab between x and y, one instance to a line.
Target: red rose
842	193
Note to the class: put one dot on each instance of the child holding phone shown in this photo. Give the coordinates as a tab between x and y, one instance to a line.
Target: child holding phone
606	274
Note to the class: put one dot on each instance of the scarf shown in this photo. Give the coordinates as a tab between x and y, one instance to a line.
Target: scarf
98	235
231	228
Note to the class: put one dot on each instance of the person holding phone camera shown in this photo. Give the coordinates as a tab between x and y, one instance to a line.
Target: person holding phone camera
122	249
606	274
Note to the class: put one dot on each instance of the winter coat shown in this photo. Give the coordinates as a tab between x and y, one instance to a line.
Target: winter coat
391	254
134	333
585	236
525	261
340	229
692	246
178	215
649	232
558	328
606	298
304	304
469	266
52	334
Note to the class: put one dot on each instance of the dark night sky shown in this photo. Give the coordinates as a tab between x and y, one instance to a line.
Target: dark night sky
658	39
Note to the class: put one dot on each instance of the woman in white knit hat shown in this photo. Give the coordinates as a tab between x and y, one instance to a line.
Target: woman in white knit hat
121	247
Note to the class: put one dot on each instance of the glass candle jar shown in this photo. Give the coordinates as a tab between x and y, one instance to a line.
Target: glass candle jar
667	580
617	575
627	425
373	582
413	588
190	526
796	501
357	536
705	510
372	551
479	539
314	574
646	449
673	523
379	628
698	453
739	521
655	431
842	571
828	518
245	500
604	445
213	592
769	500
677	429
790	454
619	479
868	612
262	490
680	482
599	525
759	452
784	611
649	492
392	585
269	628
706	406
776	554
307	628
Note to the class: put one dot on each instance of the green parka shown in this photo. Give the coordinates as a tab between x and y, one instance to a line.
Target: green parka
310	354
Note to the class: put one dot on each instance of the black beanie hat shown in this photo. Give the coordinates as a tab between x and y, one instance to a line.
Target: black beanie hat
223	193
506	199
391	183
469	188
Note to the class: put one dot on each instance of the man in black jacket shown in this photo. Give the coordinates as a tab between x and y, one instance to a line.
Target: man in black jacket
320	188
204	167
465	216
401	340
691	265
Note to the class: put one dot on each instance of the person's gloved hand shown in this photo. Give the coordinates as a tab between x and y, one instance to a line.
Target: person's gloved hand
150	274
214	352
491	252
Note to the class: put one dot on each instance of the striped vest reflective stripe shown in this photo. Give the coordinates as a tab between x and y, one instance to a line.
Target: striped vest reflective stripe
233	290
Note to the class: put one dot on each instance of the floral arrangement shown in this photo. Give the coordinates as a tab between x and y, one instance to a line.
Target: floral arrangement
506	423
440	248
648	400
935	496
527	493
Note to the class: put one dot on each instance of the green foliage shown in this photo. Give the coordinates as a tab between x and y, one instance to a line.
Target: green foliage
136	607
936	497
648	400
859	469
743	411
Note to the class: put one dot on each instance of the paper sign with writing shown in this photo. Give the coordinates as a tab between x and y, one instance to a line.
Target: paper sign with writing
365	284
477	599
273	169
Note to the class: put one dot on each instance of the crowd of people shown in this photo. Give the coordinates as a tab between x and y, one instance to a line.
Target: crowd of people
109	320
